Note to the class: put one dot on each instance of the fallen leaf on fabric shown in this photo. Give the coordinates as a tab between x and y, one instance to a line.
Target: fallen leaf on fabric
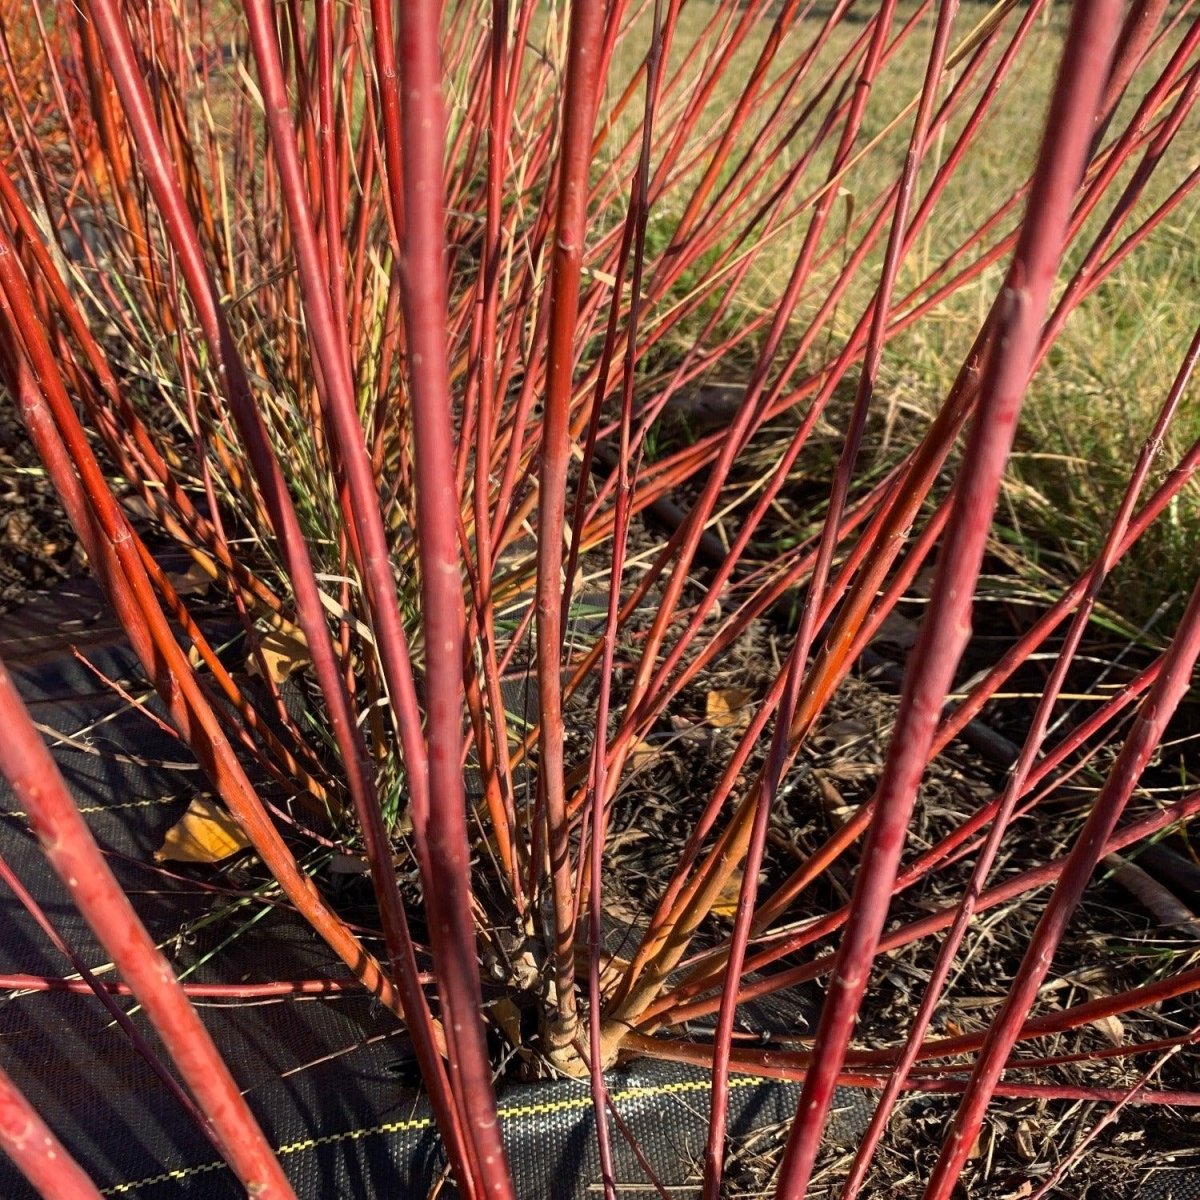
284	651
206	833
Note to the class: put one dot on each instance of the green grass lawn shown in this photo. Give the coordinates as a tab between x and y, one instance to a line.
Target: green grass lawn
1092	404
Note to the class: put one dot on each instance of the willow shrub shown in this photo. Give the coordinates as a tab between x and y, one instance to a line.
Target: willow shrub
385	315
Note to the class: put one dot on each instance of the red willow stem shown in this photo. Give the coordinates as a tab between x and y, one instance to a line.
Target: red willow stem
960	1045
442	827
505	260
793	1063
1065	1164
1012	793
753	408
1172	683
172	672
633	239
494	763
1137	33
372	552
794	1068
281	988
749	417
1170	687
143	450
715	221
370	544
115	550
954	723
95	987
780	751
946	627
660	684
578	107
660	48
756	77
702	887
68	844
1002	893
38	1154
958	719
779	944
1060	1021
330	145
972	125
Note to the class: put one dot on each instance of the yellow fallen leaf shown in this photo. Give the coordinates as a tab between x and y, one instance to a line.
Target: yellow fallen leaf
508	1020
508	1017
206	833
284	652
728	708
726	902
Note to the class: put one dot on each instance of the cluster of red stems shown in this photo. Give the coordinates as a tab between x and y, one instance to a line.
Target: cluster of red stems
355	296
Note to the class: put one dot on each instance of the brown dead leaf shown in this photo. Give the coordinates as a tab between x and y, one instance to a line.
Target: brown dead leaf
847	732
192	582
728	708
354	864
976	1147
1111	1028
688	731
206	833
641	754
1023	1141
508	1017
836	808
17	528
284	651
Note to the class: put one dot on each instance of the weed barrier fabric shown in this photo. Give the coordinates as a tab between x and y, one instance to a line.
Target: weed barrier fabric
331	1079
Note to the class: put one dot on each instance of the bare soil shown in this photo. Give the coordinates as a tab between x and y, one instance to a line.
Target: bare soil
37	546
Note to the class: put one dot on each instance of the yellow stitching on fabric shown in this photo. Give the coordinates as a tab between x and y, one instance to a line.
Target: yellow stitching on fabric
349	1135
680	1087
100	808
165	1177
